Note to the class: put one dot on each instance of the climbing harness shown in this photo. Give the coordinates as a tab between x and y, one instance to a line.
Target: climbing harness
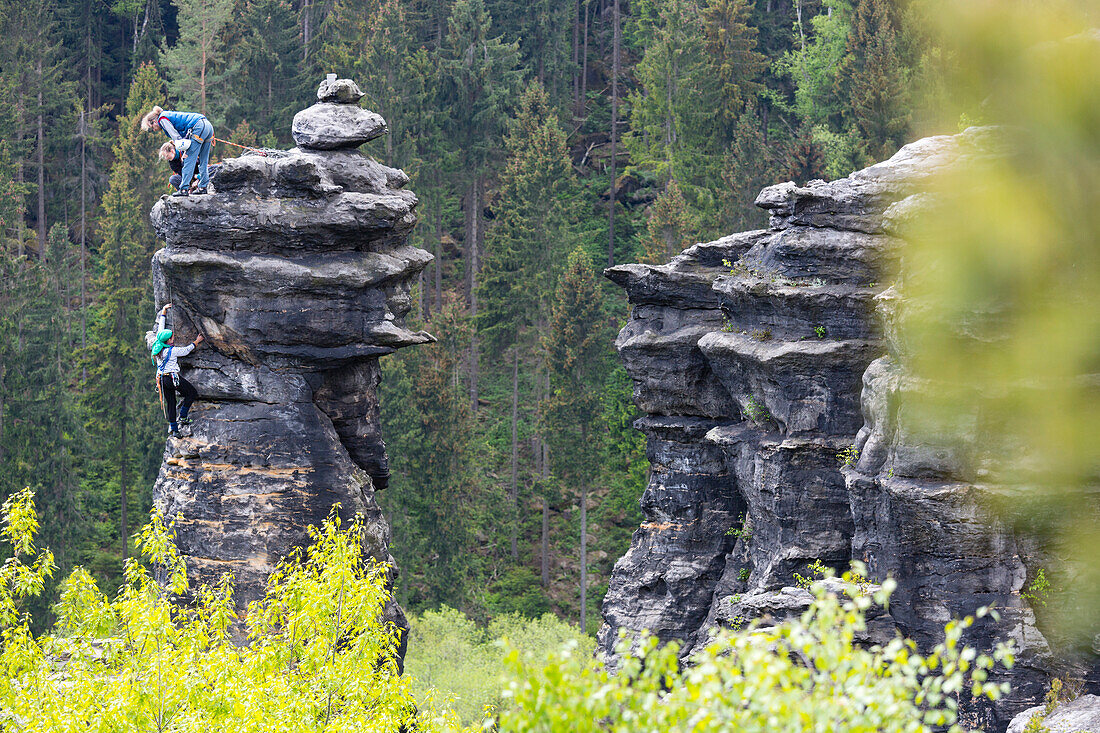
216	140
159	374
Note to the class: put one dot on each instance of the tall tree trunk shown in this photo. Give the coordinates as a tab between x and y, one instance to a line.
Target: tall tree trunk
202	70
20	241
422	300
514	493
439	257
576	59
616	42
124	481
305	30
41	168
83	229
584	68
474	216
545	542
584	555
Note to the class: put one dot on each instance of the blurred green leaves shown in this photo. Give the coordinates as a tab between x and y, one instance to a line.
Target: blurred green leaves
1003	277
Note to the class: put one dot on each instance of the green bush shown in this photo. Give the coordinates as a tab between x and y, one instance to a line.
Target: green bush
316	656
804	675
454	661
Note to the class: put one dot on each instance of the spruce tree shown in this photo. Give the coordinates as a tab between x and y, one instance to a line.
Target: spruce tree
522	251
875	79
575	349
670	227
733	66
265	82
432	500
120	404
371	43
480	78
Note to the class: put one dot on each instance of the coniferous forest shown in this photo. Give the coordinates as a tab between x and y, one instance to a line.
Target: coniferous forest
545	141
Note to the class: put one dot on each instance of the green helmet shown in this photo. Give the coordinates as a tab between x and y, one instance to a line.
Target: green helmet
162	340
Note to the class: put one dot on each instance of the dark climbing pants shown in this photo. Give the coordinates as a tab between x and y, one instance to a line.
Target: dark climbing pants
187	393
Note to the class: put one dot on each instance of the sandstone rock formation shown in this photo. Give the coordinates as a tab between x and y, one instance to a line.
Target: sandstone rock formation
757	359
297	271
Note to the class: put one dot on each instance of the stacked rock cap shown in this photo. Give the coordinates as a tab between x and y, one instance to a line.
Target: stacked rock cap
336	122
300	260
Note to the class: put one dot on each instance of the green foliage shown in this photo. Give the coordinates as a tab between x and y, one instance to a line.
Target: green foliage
1039	589
755	411
670	228
1023	277
816	570
120	406
875	77
760	679
740	530
316	654
848	457
813	65
461	663
263	77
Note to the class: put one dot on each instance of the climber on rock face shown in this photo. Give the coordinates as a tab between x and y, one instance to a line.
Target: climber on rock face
192	136
170	155
168	373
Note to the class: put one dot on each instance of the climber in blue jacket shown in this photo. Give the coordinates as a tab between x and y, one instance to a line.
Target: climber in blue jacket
192	135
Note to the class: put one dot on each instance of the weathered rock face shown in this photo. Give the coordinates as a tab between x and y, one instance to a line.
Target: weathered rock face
298	274
1077	716
758	358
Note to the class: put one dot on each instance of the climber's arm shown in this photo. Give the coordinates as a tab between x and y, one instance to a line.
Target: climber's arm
169	128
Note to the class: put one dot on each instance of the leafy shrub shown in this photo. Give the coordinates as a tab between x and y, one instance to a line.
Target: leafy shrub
802	675
317	656
454	660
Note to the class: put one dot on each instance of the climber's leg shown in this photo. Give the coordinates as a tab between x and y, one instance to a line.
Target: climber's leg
190	159
207	136
188	393
168	389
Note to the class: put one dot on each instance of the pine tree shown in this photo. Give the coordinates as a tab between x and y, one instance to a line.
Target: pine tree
196	64
670	226
120	405
575	348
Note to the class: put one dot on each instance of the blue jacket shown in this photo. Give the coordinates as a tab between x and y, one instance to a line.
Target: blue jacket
177	125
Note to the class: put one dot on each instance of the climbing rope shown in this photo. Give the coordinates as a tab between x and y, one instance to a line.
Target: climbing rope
245	147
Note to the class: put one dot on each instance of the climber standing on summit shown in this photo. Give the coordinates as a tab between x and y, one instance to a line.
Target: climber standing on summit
168	373
192	135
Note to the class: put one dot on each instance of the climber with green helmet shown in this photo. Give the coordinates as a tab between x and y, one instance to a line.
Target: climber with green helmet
169	381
